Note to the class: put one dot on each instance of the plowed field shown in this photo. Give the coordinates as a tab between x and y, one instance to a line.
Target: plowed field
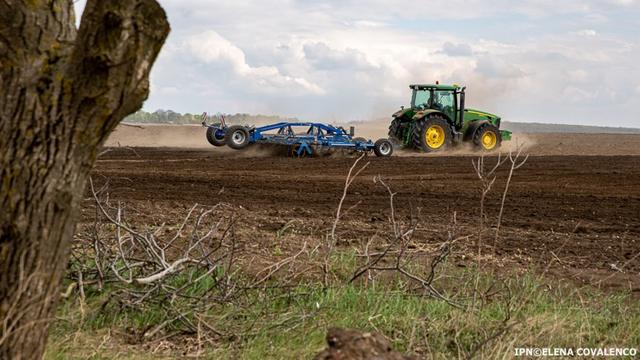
579	213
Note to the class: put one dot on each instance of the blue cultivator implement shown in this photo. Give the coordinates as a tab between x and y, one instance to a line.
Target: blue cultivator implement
297	138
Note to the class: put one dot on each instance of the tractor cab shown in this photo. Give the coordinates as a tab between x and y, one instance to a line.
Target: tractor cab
447	99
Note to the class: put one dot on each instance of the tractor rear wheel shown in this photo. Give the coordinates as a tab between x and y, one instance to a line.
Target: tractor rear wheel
216	136
395	131
383	148
431	134
237	137
487	138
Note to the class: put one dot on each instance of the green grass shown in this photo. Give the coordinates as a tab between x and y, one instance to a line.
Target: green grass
292	323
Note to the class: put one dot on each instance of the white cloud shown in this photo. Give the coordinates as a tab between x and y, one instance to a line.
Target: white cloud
498	68
211	48
596	18
452	49
574	93
170	90
325	58
369	23
579	76
586	32
621	2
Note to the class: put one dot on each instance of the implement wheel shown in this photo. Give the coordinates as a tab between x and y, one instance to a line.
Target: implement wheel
431	134
487	138
215	136
383	148
237	137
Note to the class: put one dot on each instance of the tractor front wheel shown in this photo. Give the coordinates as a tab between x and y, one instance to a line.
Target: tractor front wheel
237	137
487	138
215	136
431	134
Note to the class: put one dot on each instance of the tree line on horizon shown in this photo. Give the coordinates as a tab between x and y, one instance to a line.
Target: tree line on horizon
171	117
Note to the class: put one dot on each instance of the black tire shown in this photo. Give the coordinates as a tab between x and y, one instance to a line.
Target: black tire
383	148
237	137
395	131
487	138
214	137
360	140
438	130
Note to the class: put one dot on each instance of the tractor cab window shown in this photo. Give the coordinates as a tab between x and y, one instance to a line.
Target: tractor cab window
444	100
441	100
421	99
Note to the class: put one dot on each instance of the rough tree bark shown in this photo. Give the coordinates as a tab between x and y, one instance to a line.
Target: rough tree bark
62	91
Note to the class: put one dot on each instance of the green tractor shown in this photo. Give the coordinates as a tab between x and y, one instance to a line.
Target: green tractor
438	118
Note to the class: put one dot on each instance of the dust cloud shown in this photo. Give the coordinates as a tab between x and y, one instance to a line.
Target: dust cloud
194	137
527	141
372	129
182	136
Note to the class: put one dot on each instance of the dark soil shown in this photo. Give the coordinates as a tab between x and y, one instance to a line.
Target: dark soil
581	214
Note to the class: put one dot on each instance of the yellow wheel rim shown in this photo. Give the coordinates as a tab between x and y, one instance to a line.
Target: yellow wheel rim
489	140
434	136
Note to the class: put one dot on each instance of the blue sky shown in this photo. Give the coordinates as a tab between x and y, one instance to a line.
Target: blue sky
573	62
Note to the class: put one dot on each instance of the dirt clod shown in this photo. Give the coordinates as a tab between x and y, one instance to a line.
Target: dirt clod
347	344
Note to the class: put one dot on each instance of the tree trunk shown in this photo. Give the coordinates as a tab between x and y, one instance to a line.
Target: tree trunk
62	91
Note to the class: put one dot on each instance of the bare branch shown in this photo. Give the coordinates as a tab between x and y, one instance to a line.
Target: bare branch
514	166
332	238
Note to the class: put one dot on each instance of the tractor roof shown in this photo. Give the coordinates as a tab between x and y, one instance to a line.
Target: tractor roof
435	86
